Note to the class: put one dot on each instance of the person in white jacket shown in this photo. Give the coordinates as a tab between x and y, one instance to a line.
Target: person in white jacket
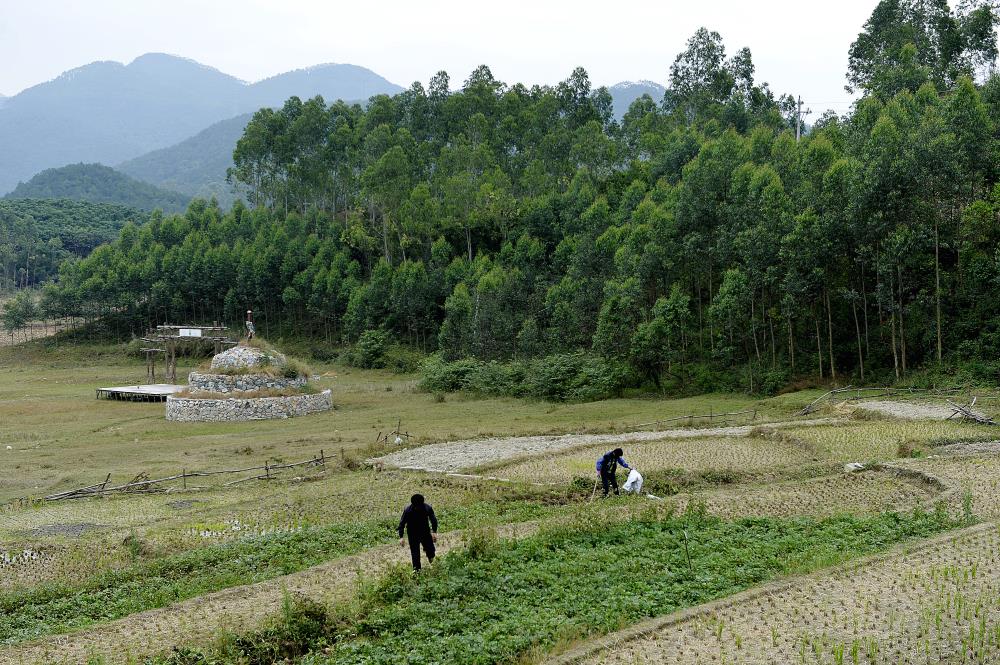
633	484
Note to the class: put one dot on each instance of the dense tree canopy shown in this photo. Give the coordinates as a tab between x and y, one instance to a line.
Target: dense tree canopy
503	222
907	43
36	235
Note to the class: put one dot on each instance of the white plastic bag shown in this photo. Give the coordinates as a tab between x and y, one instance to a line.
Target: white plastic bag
633	484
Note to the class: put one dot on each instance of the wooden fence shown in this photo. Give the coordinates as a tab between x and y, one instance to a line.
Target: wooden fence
143	484
710	418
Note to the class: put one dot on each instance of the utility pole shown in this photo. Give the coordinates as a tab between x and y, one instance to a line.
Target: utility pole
798	119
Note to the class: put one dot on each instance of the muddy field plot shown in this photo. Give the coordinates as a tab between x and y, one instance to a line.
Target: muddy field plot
911	410
735	455
937	604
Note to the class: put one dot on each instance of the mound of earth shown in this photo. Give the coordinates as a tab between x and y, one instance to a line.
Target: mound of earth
245	358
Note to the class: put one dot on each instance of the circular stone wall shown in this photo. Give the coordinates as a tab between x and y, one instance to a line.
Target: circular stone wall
232	383
186	409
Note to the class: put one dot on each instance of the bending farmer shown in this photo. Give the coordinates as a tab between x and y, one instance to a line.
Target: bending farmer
421	528
606	467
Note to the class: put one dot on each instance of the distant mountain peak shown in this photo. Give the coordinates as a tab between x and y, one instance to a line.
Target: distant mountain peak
154	61
109	112
645	83
626	92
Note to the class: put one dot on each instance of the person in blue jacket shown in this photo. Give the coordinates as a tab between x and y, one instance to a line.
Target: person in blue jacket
421	527
606	467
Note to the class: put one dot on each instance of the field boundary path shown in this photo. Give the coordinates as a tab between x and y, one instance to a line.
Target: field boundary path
453	456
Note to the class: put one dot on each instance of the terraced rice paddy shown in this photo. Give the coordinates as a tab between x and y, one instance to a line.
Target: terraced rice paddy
939	603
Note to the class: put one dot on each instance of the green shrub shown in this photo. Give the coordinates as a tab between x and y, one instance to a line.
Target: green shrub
772	381
564	377
370	348
442	376
401	360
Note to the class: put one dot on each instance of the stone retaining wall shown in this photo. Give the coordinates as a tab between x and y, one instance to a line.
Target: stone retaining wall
187	409
230	383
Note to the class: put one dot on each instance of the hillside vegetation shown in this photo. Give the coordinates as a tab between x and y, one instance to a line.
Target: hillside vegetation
36	235
196	166
98	184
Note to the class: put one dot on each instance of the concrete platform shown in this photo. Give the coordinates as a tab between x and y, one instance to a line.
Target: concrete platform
155	392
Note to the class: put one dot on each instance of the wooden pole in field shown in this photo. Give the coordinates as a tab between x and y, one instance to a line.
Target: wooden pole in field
686	552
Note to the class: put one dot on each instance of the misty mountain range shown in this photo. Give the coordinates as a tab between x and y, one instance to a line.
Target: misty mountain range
169	121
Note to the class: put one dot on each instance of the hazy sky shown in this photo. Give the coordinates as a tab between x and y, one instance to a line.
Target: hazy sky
798	47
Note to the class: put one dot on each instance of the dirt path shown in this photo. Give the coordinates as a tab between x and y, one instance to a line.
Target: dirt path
469	454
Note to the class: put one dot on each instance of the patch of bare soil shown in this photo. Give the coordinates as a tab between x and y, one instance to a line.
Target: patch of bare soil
909	410
72	530
970	448
865	493
468	454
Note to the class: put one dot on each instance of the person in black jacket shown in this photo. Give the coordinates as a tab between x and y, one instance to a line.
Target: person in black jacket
421	527
606	467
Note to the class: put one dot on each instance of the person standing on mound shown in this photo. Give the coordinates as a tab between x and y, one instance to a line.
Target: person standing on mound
421	527
606	467
249	323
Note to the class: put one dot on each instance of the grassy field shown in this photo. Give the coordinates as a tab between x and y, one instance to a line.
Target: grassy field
87	568
56	435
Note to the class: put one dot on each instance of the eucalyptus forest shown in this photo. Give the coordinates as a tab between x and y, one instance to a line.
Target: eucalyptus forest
708	239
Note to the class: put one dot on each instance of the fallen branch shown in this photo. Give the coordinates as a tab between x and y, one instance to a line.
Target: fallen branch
968	413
